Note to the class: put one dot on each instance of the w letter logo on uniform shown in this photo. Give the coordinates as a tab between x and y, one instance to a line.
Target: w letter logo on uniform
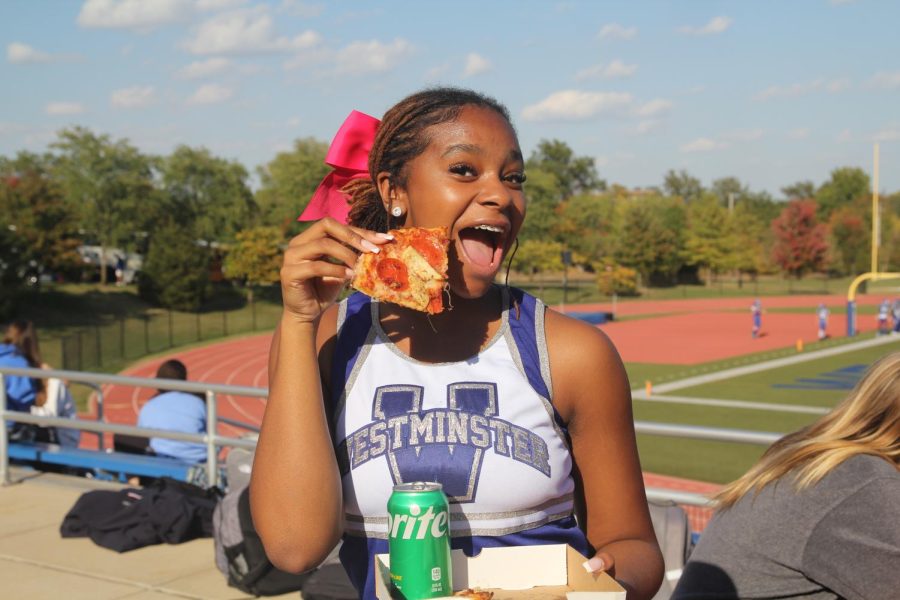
446	445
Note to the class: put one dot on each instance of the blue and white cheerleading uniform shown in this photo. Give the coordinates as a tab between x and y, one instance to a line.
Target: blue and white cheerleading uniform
483	427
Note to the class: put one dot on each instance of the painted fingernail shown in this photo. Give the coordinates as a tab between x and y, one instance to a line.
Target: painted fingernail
370	246
593	565
386	236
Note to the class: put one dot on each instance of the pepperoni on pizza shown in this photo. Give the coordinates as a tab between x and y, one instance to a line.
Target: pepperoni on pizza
410	271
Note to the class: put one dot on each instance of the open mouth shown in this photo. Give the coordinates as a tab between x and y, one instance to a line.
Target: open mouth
482	244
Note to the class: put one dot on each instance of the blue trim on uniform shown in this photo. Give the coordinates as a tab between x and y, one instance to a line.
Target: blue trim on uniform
351	337
357	553
522	326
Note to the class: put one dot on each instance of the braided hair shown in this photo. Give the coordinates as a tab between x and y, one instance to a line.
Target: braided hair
402	136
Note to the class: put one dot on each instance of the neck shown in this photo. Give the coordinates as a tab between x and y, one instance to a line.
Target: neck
457	333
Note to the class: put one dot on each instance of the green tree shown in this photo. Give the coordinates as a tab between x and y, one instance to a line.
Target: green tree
851	238
845	185
729	189
110	182
585	223
683	185
800	240
536	256
255	257
175	272
802	190
574	174
541	194
32	204
209	192
288	181
752	239
650	239
710	241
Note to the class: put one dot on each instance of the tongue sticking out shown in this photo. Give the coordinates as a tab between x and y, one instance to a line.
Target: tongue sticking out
479	246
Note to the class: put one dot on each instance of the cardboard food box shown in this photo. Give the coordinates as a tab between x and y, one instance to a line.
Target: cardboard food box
520	573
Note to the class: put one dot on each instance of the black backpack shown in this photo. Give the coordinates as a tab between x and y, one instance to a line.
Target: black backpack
239	551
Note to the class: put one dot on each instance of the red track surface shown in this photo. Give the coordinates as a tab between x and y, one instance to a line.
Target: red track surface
690	332
687	332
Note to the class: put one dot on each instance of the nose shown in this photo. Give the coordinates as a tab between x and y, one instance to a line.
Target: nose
496	193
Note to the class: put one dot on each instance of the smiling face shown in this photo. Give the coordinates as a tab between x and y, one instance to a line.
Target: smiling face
468	179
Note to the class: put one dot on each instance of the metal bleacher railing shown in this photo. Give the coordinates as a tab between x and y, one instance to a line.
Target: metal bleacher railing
213	440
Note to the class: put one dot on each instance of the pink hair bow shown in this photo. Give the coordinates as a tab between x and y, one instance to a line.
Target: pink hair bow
348	155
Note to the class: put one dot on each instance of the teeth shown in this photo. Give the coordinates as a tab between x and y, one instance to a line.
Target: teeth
489	228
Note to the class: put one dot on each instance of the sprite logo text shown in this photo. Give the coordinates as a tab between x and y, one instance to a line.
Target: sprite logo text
417	525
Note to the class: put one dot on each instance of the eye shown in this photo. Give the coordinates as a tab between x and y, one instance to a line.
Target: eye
517	177
463	169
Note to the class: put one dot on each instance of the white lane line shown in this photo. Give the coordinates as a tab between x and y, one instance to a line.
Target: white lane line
769	364
813	410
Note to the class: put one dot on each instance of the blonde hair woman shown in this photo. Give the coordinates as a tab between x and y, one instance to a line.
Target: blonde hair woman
819	515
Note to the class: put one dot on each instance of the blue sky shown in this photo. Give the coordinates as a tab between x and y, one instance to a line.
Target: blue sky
771	92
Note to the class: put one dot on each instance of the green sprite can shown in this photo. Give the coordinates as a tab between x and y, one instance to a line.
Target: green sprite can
419	541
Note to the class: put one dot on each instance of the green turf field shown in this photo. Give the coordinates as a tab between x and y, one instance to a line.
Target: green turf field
721	462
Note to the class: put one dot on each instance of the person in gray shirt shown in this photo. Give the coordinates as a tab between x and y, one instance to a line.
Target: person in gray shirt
819	515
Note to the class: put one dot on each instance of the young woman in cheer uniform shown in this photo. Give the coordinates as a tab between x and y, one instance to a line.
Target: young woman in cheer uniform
523	414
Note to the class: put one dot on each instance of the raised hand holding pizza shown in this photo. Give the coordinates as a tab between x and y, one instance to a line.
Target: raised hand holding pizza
319	262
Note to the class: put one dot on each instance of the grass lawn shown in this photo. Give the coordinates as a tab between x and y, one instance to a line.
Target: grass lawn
720	461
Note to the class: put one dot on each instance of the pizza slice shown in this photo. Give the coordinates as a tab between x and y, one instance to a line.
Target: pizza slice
410	271
475	594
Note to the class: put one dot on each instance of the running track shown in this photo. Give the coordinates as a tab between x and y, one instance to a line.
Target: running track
685	332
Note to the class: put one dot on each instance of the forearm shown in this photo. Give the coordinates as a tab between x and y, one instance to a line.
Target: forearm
638	566
295	487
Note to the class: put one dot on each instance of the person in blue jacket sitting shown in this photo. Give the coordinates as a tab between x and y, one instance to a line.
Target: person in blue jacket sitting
176	411
20	349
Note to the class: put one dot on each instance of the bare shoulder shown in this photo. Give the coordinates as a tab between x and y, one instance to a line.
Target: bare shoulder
585	367
578	343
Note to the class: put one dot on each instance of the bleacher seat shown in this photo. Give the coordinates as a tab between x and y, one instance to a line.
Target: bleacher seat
112	465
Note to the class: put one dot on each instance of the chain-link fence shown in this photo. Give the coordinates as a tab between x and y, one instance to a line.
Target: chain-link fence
128	339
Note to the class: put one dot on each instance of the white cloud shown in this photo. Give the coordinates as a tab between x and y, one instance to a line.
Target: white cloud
715	26
888	134
294	121
210	93
22	54
614	31
647	126
476	65
800	133
802	88
745	135
653	108
886	80
703	145
204	68
136	96
141	15
298	8
437	73
248	31
64	108
574	105
215	5
616	69
844	136
837	85
372	56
